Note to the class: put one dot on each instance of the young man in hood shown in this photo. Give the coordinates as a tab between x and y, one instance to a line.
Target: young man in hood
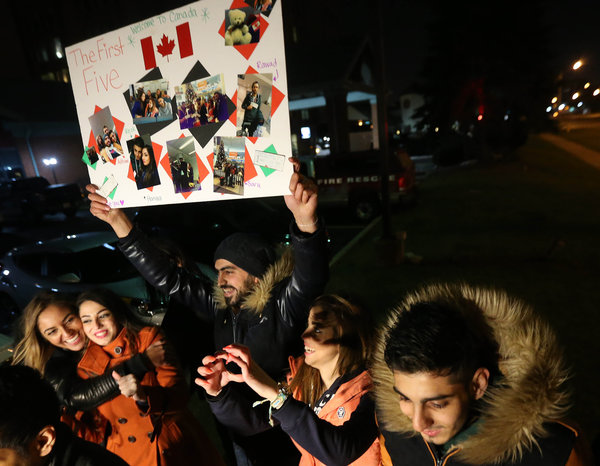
470	376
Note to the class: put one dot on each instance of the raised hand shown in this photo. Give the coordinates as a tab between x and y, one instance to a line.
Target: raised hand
213	374
254	376
99	208
302	201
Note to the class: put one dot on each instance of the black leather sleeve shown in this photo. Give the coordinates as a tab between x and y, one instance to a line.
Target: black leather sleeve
84	394
158	268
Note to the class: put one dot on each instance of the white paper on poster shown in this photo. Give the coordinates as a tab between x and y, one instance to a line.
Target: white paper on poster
181	60
269	160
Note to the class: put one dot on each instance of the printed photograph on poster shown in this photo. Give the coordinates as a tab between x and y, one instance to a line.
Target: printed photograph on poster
149	102
254	104
92	156
103	129
242	26
143	162
201	102
184	165
263	6
228	161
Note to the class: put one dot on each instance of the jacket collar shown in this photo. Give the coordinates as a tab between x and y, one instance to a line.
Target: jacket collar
96	359
514	411
260	295
349	389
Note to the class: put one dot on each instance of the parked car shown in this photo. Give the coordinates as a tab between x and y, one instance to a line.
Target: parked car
71	264
353	180
29	199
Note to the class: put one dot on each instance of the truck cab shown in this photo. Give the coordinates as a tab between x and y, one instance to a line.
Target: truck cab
353	180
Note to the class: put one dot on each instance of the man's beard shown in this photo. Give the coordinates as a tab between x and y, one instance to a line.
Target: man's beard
241	293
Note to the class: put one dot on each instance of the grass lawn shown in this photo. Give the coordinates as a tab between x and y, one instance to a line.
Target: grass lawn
529	225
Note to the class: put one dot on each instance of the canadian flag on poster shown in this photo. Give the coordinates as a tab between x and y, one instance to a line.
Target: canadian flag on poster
166	45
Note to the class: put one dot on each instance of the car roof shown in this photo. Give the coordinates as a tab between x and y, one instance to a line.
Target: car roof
75	242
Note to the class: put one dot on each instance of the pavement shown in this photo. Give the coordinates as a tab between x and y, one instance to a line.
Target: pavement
589	156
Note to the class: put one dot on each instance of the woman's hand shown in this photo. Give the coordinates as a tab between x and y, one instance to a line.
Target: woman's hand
213	374
254	376
160	353
129	386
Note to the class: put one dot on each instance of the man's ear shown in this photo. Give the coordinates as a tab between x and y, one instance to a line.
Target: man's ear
45	440
479	383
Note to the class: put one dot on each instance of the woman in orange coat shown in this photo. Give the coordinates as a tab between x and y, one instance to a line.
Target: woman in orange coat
326	408
150	422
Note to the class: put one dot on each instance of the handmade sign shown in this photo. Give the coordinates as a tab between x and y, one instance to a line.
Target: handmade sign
187	106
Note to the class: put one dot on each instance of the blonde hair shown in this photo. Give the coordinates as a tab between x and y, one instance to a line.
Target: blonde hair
33	349
351	330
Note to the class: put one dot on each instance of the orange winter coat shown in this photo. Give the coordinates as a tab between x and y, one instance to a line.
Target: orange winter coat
338	410
181	439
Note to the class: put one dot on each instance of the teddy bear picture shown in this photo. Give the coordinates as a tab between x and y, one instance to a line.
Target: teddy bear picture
237	32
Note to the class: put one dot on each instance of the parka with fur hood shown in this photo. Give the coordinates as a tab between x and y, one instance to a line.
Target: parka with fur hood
520	419
272	316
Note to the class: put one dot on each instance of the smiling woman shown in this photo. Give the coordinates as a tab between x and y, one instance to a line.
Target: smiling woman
325	408
150	422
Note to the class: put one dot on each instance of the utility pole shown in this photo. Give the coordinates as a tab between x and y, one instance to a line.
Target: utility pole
382	124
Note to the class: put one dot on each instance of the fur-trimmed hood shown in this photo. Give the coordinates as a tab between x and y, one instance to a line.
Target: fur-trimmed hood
531	363
260	295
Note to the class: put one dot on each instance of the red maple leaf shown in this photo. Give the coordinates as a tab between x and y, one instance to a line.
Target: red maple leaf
166	46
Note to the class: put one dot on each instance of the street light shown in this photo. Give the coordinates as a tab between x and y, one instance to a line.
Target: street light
51	162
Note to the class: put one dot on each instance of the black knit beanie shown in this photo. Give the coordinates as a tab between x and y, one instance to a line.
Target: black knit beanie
248	251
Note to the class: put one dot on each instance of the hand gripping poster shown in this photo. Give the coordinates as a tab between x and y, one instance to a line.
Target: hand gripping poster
186	106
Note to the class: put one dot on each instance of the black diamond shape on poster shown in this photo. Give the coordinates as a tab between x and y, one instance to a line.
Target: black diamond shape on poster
197	72
152	126
204	134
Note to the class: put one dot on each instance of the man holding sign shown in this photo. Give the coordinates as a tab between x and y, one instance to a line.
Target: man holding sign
259	300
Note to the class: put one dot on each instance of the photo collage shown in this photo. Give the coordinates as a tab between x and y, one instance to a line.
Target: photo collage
191	112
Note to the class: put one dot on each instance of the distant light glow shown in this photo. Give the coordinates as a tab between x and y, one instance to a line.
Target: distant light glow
579	104
554	100
586	85
398	132
360	123
437	130
479	117
575	96
305	132
597	91
6	272
505	117
59	55
578	64
50	161
555	114
561	107
548	108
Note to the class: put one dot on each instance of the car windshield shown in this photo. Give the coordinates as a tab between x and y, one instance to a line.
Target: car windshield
101	264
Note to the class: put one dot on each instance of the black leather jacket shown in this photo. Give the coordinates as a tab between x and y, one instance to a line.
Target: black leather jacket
274	315
78	394
70	450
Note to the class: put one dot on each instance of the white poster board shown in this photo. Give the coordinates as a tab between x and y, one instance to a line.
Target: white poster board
213	122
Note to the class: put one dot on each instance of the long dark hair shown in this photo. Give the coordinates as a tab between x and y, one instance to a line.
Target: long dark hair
120	310
148	172
351	330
